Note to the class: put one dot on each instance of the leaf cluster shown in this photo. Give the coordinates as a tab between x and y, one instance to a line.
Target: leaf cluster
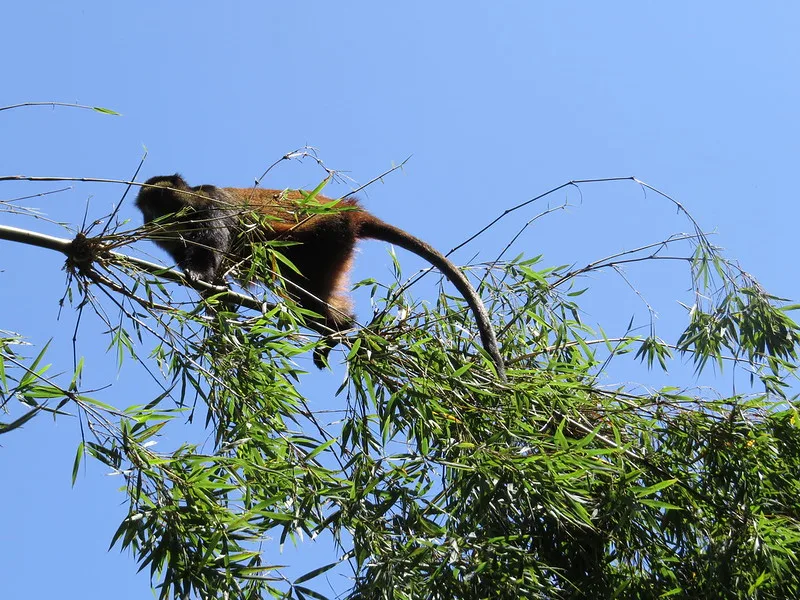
426	476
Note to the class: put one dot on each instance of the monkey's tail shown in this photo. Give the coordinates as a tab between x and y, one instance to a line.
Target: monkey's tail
374	228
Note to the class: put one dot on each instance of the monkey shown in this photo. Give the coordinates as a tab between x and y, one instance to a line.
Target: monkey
207	232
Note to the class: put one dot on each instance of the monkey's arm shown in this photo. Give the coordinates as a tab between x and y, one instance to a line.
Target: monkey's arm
201	248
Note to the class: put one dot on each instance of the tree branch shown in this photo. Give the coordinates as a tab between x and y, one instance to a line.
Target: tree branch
65	246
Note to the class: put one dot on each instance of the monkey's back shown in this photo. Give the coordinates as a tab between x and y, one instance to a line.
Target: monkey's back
288	211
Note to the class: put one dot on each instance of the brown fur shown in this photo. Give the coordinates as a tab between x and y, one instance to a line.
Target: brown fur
214	229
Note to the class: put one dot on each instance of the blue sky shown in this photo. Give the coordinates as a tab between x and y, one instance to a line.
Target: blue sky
495	102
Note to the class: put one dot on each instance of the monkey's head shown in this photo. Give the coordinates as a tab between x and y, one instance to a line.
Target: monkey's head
165	198
191	223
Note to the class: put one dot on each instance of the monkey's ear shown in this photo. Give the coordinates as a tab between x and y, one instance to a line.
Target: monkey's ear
178	181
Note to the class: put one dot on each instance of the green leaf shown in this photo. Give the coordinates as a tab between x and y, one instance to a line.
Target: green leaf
105	111
6	427
77	462
315	573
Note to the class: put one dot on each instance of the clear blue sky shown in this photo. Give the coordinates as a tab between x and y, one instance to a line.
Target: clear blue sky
497	102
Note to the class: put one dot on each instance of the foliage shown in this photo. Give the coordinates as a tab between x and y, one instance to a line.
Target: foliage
431	478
